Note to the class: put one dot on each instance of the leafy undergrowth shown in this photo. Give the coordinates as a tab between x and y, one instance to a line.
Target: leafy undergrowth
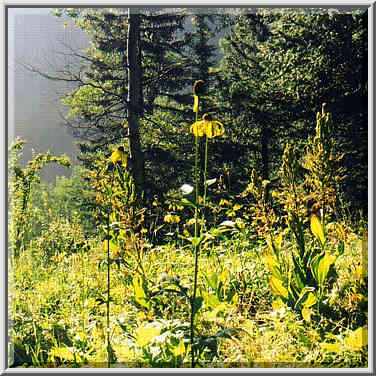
59	309
268	278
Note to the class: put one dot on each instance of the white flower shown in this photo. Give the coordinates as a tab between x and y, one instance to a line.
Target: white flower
186	189
228	223
210	182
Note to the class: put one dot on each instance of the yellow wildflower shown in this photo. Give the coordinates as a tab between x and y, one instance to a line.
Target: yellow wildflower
190	222
240	224
205	126
275	194
224	202
198	128
237	207
169	218
119	155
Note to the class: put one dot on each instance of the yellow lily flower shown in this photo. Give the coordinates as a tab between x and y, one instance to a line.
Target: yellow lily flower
119	155
210	128
198	128
214	128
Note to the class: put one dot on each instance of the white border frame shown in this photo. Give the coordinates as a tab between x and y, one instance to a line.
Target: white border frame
239	3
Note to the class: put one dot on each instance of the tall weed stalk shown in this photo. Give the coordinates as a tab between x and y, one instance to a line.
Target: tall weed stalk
208	128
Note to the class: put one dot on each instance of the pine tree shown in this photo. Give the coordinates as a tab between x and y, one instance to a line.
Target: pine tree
245	103
280	65
133	60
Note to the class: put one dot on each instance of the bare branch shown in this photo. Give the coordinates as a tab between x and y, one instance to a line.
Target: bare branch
33	69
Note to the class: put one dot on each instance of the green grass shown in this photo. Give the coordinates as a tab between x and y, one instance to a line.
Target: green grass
59	309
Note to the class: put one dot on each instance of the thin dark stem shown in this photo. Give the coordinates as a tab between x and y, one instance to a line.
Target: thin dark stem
205	168
108	292
205	171
196	250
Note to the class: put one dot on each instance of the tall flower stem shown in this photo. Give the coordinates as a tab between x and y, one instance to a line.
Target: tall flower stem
108	292
205	169
196	249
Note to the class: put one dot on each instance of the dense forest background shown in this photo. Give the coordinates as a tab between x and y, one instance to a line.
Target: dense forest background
267	73
220	189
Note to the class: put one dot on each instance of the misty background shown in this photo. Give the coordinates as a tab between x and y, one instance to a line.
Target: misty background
38	38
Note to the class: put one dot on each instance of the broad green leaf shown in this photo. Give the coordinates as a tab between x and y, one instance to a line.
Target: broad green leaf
274	244
218	231
146	333
226	333
63	353
341	232
320	265
310	301
213	314
139	292
294	292
270	244
298	273
274	266
271	261
179	349
317	229
277	304
223	276
306	313
331	347
124	352
278	241
211	300
357	339
212	280
184	202
235	298
277	287
304	296
113	247
194	240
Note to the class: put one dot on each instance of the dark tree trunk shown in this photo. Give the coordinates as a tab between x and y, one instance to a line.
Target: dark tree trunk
265	157
264	153
135	104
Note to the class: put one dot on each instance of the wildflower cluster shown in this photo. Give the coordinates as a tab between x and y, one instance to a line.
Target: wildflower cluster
263	216
323	164
170	218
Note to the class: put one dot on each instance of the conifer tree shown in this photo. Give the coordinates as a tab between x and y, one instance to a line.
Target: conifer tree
133	59
280	65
